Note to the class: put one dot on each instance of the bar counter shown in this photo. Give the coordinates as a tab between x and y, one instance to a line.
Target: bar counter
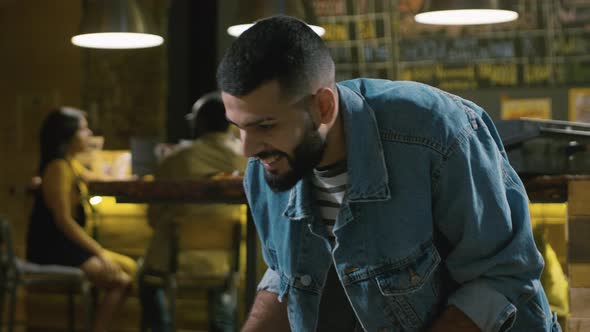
223	190
549	188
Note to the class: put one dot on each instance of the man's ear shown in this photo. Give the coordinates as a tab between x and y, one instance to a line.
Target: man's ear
326	103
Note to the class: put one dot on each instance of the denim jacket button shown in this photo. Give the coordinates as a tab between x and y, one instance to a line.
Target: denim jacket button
306	280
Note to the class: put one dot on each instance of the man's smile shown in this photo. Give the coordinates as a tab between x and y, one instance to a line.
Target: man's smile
270	162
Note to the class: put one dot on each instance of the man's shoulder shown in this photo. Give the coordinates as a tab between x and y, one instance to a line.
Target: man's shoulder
381	89
405	95
364	85
406	107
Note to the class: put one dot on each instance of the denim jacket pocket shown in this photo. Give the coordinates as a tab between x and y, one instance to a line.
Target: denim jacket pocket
410	290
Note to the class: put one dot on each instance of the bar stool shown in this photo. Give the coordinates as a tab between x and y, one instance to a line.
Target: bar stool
172	282
15	273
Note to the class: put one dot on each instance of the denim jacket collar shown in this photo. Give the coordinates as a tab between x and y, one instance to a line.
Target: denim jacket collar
367	173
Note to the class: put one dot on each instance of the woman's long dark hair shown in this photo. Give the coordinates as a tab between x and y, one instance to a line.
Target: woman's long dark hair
57	130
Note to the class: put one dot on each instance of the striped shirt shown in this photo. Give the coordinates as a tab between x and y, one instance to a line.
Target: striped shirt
329	185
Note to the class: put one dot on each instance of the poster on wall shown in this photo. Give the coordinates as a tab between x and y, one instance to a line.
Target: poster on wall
537	108
329	7
579	104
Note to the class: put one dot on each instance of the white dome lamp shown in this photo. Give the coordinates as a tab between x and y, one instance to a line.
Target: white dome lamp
115	24
251	11
464	12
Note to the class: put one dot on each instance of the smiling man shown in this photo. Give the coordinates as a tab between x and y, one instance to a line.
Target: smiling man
380	205
268	123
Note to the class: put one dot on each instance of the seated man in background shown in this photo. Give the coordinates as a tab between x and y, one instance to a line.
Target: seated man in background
205	230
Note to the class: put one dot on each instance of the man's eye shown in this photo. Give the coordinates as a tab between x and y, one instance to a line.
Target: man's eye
266	126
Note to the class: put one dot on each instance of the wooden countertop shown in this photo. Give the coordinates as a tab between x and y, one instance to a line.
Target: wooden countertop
549	188
230	190
223	190
540	188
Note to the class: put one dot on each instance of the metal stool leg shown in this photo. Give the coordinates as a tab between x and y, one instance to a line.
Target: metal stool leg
3	288
71	310
12	313
88	303
172	301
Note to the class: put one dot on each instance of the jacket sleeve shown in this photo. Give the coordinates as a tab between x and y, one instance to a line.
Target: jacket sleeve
481	207
270	282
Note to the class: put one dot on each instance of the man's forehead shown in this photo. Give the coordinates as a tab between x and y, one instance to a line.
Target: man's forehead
247	114
266	100
248	106
270	90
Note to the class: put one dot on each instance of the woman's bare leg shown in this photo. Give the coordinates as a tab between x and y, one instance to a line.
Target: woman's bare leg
115	286
112	301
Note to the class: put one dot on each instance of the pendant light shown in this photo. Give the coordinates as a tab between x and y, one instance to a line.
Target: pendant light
464	12
115	24
251	11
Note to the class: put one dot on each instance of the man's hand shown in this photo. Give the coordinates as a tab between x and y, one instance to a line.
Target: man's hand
453	319
267	314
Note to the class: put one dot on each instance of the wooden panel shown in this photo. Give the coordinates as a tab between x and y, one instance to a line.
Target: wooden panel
579	275
578	324
579	198
578	235
580	302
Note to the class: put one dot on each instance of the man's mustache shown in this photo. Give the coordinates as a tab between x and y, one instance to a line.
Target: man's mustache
272	153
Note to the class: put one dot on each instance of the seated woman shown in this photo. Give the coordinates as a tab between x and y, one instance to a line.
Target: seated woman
56	232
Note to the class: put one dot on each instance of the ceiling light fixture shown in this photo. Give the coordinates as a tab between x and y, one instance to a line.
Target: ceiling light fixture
115	24
251	11
464	12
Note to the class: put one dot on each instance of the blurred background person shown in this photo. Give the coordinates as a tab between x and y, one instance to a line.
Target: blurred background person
205	230
56	233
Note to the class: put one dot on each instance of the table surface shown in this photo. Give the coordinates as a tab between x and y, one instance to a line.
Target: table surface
549	188
223	190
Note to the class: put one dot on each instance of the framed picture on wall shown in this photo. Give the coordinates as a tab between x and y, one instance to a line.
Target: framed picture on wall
579	104
538	108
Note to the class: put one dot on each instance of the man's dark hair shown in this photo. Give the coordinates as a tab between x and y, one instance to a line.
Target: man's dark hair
278	48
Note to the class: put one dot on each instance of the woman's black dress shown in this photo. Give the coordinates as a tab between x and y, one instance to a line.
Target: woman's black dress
46	244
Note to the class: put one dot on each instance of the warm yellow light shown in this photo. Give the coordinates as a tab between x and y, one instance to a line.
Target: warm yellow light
117	40
466	17
237	30
94	200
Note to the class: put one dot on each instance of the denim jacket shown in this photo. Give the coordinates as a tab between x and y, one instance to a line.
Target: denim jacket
433	215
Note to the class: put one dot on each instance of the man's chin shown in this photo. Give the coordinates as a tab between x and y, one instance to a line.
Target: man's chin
281	182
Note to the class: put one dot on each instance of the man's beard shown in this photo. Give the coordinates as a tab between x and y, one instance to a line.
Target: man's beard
306	155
